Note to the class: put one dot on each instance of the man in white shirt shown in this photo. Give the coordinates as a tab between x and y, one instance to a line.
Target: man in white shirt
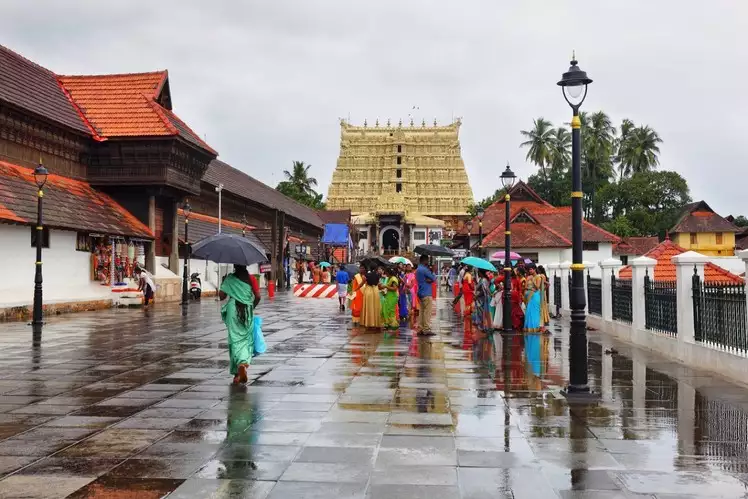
145	284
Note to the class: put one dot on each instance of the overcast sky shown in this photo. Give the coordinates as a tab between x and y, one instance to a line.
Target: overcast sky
266	81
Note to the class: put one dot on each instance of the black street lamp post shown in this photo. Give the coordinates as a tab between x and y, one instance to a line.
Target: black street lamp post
185	293
469	225
574	88
40	177
507	181
480	214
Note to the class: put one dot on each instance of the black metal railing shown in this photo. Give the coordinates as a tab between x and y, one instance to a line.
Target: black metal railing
557	291
594	295
660	311
721	429
620	290
719	314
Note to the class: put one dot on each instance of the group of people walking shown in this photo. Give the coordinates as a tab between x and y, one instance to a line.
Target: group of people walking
481	296
393	295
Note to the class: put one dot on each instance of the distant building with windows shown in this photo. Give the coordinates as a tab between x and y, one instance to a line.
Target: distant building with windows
700	229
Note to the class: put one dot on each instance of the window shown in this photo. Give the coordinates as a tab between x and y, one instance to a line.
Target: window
590	246
399	173
82	242
398	187
399	148
693	238
419	235
625	259
45	237
719	238
399	160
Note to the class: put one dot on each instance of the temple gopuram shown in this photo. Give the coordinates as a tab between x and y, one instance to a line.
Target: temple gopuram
404	184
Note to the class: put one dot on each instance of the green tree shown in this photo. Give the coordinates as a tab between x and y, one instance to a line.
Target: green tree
553	188
539	143
299	178
651	201
313	199
486	202
740	221
598	147
560	150
621	226
638	150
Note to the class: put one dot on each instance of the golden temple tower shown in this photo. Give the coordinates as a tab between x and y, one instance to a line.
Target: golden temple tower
404	184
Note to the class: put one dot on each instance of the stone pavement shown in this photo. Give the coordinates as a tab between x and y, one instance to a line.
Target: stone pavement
132	403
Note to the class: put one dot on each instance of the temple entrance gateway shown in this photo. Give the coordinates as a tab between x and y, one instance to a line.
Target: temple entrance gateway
391	240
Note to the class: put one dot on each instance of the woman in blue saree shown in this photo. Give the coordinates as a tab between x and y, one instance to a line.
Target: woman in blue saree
402	301
533	301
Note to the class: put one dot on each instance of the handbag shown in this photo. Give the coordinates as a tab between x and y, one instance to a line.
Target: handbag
259	345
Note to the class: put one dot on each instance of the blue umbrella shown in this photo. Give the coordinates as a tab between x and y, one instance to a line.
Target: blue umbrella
478	263
229	248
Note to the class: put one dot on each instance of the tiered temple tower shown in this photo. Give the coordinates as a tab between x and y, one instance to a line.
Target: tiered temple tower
401	175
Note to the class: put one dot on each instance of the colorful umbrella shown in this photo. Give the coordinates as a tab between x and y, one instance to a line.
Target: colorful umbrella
324	264
501	254
479	263
399	259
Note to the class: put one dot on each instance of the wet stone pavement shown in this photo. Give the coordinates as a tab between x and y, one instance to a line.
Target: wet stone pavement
127	403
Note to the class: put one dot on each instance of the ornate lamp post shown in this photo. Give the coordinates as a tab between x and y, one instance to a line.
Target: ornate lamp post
573	85
40	176
507	181
469	225
480	214
186	209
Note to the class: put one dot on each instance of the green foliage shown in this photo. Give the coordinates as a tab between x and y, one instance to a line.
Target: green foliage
300	186
641	202
741	221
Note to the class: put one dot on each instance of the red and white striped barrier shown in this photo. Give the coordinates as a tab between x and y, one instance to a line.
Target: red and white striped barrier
315	290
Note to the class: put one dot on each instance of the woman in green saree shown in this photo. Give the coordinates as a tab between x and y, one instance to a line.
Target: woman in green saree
390	299
237	313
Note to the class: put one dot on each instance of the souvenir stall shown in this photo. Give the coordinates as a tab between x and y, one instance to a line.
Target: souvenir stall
113	262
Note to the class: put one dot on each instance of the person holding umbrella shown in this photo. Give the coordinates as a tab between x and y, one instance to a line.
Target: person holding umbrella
243	296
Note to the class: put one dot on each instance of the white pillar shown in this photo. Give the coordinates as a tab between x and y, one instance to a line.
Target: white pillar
564	267
684	267
552	270
744	256
608	268
639	267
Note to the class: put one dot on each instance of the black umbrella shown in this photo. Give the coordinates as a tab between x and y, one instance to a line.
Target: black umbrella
433	250
229	248
351	268
377	261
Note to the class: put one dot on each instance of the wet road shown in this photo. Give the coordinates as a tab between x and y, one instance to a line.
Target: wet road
124	403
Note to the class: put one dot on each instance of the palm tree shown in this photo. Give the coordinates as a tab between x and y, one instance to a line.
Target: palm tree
539	140
299	178
598	143
560	151
639	151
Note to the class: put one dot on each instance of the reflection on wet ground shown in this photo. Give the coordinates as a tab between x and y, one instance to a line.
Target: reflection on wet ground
138	404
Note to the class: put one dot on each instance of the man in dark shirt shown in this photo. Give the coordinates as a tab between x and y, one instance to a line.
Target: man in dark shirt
425	279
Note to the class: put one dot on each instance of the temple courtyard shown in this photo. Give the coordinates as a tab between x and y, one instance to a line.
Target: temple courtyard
132	403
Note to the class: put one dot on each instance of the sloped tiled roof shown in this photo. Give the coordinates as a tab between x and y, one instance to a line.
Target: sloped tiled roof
635	245
127	105
335	216
239	183
551	230
68	204
36	89
665	269
202	226
699	217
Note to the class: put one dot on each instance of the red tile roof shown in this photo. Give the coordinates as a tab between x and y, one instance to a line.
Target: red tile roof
665	269
128	105
551	227
635	245
68	204
36	89
699	217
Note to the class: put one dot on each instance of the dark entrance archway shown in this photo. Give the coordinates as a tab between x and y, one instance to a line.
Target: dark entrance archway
391	240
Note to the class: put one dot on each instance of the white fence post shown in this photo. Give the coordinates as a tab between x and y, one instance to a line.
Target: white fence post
587	267
564	267
607	267
744	256
684	265
639	268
